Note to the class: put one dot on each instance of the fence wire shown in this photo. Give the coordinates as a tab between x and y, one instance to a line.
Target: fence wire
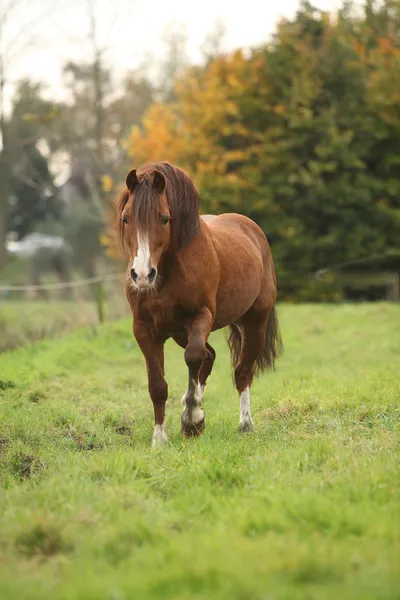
61	284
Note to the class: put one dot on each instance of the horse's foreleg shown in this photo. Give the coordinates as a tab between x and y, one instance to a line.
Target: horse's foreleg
199	359
207	365
182	340
158	387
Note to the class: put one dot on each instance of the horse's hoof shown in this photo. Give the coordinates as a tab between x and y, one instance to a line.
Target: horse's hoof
246	426
160	437
193	429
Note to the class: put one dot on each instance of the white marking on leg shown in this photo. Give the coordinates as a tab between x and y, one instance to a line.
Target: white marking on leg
160	436
246	422
192	400
141	262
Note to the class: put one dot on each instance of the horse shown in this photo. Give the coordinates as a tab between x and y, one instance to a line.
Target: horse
189	275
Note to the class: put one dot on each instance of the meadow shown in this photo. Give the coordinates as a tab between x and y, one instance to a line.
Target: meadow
23	321
307	507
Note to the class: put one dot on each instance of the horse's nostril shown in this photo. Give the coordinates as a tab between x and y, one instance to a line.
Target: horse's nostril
133	274
152	275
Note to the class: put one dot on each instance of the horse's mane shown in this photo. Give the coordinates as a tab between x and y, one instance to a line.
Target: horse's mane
183	201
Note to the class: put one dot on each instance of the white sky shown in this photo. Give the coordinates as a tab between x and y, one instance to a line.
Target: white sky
130	29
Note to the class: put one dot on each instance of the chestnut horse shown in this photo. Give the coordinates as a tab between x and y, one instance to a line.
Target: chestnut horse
190	275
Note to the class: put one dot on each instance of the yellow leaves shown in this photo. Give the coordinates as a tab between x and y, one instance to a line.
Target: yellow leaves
231	108
105	240
359	48
384	83
43	119
386	46
160	139
279	109
109	242
107	184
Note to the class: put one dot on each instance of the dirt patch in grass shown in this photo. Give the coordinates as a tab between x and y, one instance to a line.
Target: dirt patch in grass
24	465
36	397
6	384
3	444
42	540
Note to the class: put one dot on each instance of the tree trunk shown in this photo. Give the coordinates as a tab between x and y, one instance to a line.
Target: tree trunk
5	185
4	171
3	229
34	279
5	179
60	266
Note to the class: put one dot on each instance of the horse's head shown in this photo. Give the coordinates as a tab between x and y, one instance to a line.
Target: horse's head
157	213
145	220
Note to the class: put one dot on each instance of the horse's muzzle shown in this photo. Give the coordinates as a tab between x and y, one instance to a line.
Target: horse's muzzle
144	280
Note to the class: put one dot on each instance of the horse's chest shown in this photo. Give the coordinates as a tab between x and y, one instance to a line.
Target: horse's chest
163	317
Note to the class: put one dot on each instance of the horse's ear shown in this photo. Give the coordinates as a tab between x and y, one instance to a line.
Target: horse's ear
131	180
159	182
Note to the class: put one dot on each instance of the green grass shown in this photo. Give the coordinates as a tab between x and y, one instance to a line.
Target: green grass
25	321
306	507
28	321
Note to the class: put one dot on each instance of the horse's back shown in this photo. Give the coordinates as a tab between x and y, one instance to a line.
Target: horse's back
208	218
232	221
238	227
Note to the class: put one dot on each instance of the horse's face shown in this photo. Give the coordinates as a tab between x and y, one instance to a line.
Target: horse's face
147	247
147	232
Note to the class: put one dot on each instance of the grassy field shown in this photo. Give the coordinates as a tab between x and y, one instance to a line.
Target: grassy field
307	507
24	321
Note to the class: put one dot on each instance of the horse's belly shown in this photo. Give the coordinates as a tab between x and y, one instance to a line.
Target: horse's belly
238	289
227	313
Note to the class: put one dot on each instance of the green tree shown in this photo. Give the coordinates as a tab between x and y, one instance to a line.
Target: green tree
33	197
301	135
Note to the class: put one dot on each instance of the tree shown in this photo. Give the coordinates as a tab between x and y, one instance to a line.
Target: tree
213	44
17	36
300	134
32	192
174	63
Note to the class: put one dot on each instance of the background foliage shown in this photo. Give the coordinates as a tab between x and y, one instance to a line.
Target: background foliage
301	134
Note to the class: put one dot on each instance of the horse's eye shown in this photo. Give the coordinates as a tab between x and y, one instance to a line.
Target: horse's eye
125	220
164	220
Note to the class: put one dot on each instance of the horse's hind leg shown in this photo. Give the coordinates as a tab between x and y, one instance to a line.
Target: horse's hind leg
253	331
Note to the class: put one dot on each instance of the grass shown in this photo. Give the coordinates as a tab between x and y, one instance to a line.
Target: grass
24	321
307	507
28	321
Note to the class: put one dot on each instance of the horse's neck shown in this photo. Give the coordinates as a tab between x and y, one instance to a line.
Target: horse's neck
172	263
175	262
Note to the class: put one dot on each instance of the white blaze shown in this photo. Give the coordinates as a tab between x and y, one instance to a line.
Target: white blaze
141	262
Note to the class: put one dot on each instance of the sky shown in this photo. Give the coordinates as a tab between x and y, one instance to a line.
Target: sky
45	34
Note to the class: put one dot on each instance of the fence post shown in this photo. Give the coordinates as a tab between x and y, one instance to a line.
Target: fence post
394	289
100	297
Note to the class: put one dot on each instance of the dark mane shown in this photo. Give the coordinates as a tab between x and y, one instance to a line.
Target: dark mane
183	201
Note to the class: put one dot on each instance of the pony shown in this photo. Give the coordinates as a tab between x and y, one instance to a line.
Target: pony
189	275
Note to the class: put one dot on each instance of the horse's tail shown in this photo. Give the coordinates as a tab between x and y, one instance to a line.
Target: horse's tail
234	343
273	346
